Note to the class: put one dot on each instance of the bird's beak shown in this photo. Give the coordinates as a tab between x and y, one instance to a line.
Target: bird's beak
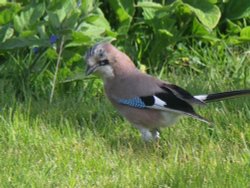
91	69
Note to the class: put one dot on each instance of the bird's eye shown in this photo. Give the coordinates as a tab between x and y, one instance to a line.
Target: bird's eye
103	62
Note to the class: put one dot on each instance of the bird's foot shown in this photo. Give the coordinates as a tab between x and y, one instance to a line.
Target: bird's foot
148	135
155	134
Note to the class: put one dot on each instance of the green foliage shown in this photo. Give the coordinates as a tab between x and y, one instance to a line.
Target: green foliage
79	140
38	29
124	11
149	31
237	9
207	13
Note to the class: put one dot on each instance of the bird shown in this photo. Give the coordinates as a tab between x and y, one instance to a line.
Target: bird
148	103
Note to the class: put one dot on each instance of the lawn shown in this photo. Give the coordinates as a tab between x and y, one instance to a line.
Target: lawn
81	141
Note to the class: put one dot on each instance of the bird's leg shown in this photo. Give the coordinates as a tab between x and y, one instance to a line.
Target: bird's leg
155	134
145	133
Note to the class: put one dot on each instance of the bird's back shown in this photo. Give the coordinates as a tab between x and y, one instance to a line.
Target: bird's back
134	84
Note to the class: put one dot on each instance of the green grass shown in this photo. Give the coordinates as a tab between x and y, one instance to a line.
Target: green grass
80	141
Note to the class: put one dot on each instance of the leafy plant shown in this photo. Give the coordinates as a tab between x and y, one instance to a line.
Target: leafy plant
55	34
156	26
58	30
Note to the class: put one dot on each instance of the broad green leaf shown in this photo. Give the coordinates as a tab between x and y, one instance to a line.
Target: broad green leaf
85	34
124	10
159	18
7	11
148	4
86	6
210	38
198	28
71	20
91	30
28	17
6	32
28	33
213	1
234	40
21	42
72	56
80	38
207	13
232	28
64	5
121	13
37	13
59	13
51	53
128	6
54	20
237	9
165	32
41	30
245	33
149	9
98	20
20	22
96	25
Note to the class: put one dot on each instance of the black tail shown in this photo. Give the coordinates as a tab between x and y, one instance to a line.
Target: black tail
222	96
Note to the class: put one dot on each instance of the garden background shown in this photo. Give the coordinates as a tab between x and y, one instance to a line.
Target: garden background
58	130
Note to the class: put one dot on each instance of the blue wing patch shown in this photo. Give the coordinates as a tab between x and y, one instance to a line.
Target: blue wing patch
133	102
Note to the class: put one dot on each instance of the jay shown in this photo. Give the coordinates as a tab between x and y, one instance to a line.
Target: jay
145	101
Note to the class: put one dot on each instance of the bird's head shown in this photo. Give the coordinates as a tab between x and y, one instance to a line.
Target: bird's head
106	60
98	60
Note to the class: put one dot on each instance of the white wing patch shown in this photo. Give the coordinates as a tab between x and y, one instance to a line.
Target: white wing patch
201	97
159	102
